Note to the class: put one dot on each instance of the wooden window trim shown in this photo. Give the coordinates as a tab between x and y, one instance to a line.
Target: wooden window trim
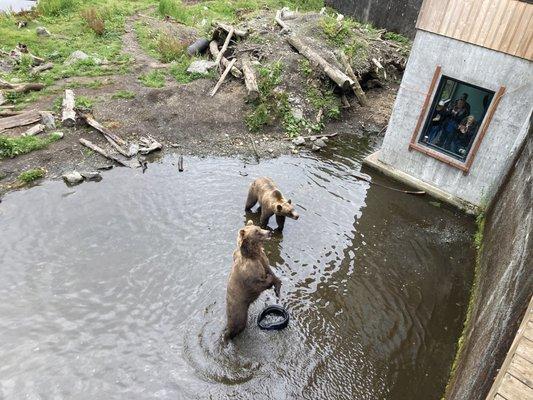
461	165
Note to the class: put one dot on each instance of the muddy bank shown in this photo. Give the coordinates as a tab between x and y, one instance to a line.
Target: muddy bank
504	283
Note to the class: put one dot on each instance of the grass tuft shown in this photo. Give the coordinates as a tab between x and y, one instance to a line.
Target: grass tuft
123	94
13	146
84	104
153	79
32	175
94	20
170	48
54	8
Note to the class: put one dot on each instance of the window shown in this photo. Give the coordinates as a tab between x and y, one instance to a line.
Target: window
455	117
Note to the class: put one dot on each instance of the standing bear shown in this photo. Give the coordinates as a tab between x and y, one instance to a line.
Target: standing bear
271	201
250	276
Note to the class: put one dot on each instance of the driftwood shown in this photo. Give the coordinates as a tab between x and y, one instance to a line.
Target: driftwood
224	47
102	152
413	192
284	27
180	164
68	115
2	98
336	75
240	33
358	91
112	138
40	68
34	130
20	87
222	77
249	78
213	48
8	113
149	145
27	118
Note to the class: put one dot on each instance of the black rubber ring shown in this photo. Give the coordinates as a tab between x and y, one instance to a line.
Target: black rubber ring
273	310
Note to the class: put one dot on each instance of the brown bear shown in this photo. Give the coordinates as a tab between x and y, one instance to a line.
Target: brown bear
250	276
271	201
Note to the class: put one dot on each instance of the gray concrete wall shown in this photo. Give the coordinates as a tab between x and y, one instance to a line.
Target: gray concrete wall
478	66
394	15
505	283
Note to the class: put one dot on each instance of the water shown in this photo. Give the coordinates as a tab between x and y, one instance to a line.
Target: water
116	289
16	5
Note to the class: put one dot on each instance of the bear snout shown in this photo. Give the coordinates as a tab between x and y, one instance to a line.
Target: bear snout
295	215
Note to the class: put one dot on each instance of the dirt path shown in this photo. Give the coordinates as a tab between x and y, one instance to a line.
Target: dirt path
131	46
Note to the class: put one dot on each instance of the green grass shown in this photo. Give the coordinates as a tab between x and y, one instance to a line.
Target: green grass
304	66
123	94
325	100
153	79
13	146
396	37
54	8
32	175
84	103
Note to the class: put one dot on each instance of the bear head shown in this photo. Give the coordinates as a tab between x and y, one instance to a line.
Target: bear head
284	207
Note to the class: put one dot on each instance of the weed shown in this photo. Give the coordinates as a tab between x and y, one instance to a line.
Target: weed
170	48
396	37
14	146
54	8
305	67
84	104
32	175
327	101
94	20
154	79
258	118
123	94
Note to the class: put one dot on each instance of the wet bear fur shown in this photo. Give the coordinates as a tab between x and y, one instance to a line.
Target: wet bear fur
250	276
271	201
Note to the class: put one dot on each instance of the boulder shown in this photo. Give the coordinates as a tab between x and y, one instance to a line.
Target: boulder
72	178
298	141
320	143
42	31
76	56
92	175
315	147
201	67
47	119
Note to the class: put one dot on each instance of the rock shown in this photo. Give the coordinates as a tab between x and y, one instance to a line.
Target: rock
298	141
73	178
271	151
315	147
76	56
297	113
294	151
42	31
201	67
47	119
92	175
320	143
312	138
325	139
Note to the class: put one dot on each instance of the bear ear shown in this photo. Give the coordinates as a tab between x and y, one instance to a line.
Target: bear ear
289	201
250	222
277	194
241	232
279	207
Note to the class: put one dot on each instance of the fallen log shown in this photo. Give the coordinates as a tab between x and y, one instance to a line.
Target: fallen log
150	145
336	75
249	78
68	115
213	48
224	47
20	87
222	77
356	87
8	113
34	130
284	27
40	68
26	118
102	152
240	33
112	138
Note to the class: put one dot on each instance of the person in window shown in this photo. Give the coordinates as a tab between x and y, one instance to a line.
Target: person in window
464	135
454	116
435	126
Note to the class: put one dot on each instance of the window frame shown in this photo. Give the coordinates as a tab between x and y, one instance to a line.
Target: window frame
414	143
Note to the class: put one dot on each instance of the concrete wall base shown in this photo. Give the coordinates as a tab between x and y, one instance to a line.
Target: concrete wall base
373	161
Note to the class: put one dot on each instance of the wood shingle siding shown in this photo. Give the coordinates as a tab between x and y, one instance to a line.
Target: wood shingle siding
501	25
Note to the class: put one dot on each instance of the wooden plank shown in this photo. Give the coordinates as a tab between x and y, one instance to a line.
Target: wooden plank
522	370
512	389
525	48
520	37
496	36
486	15
464	22
27	118
512	26
498	397
525	349
528	331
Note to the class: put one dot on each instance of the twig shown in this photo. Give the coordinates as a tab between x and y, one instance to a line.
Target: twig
415	193
224	47
284	27
254	147
222	77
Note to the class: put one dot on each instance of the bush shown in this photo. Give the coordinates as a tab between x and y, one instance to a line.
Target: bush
32	175
94	20
55	7
170	48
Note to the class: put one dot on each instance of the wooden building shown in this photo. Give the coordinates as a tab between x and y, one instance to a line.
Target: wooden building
465	102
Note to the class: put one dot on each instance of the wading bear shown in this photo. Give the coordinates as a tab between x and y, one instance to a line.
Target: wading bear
271	201
250	276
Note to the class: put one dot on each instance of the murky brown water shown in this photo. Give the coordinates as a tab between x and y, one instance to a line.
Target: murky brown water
115	290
